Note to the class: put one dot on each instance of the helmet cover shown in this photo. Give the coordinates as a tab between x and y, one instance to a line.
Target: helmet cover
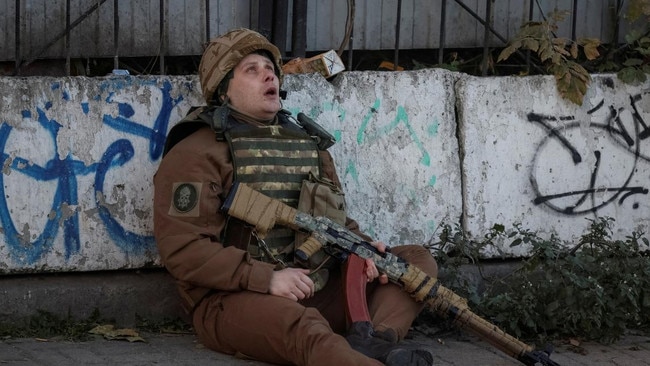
223	53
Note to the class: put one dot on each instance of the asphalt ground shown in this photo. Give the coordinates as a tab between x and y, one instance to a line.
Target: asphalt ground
121	296
452	348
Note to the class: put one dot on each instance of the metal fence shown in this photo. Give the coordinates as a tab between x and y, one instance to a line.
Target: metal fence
32	30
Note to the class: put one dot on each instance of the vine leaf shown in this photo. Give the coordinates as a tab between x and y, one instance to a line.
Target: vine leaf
571	80
638	8
557	54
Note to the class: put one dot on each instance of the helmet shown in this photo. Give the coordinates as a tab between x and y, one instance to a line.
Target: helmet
223	53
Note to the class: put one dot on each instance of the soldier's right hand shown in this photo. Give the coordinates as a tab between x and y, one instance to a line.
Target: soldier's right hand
292	283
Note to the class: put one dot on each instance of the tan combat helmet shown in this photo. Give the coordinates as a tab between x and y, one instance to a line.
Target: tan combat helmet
223	53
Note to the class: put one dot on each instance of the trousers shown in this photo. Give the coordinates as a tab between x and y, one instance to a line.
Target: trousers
278	330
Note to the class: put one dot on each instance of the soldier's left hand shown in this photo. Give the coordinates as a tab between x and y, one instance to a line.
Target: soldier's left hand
371	269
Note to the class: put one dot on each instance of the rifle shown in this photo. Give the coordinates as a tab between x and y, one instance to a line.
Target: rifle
264	212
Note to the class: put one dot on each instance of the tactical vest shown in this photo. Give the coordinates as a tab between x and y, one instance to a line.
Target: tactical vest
274	160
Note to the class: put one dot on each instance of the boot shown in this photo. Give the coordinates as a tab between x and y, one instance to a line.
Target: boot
383	346
412	357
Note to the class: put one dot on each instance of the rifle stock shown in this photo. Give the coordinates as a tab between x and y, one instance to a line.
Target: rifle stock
264	212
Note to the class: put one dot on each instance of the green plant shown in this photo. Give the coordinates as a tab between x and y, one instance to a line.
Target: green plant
166	325
595	290
455	249
45	324
637	49
562	58
559	55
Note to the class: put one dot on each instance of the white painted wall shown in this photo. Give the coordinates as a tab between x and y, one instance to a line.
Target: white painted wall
78	156
535	159
397	155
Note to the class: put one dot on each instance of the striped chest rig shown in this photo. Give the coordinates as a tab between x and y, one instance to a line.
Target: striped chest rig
274	160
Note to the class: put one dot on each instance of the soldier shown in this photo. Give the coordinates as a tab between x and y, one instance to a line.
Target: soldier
246	296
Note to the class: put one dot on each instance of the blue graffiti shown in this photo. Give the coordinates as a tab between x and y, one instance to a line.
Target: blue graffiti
156	135
64	171
118	154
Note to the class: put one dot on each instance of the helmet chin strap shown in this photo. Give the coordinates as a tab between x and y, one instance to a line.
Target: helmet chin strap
283	94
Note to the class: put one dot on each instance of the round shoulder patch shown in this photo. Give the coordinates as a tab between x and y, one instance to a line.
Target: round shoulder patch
185	197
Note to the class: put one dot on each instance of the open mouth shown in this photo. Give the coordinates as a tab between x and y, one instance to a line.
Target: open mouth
271	92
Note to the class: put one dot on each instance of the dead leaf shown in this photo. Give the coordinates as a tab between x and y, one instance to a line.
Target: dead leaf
109	332
102	329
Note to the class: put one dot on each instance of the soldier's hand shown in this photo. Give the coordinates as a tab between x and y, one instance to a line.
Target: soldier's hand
371	269
292	283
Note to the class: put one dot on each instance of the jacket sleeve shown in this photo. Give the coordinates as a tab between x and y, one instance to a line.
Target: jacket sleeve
188	189
329	171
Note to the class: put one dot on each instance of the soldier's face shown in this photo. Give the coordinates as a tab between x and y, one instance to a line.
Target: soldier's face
255	89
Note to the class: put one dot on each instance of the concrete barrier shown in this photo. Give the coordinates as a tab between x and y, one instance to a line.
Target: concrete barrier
78	155
416	149
535	159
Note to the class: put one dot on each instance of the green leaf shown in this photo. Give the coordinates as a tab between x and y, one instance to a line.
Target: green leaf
608	66
551	307
499	228
641	76
637	8
633	35
643	50
646	69
633	62
631	75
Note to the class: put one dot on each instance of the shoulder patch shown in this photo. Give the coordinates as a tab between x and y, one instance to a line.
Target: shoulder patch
185	198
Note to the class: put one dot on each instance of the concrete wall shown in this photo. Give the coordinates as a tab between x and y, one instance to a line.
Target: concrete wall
549	165
78	157
416	149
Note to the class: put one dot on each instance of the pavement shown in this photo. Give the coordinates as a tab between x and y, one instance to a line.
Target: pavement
452	348
123	295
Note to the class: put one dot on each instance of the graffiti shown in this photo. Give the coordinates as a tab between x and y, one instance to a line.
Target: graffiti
363	136
65	171
400	118
368	134
155	135
564	146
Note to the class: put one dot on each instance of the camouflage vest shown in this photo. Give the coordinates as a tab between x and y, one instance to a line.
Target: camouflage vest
271	159
274	160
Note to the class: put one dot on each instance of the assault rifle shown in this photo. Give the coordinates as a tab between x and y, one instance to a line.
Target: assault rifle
264	212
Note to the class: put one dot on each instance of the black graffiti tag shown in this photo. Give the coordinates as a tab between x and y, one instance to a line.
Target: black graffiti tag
608	172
